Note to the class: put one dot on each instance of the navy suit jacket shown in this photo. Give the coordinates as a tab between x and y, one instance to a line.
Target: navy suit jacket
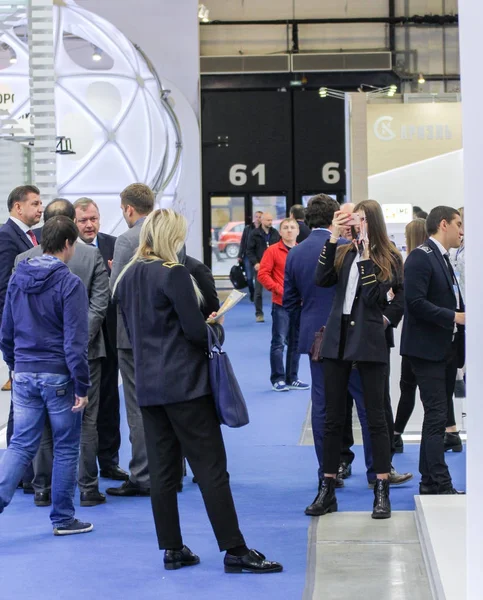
300	289
13	241
430	305
106	244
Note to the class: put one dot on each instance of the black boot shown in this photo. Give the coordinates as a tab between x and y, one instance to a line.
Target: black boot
452	441
325	501
382	504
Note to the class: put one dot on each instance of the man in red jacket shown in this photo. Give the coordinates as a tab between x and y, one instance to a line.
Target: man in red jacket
285	327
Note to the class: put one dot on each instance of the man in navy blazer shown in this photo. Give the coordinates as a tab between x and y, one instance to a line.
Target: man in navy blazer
433	339
315	303
16	236
88	221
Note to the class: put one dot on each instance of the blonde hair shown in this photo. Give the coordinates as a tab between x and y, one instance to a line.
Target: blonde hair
416	234
288	220
162	237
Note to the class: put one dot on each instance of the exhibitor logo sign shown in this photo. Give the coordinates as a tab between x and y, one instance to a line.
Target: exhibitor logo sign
385	131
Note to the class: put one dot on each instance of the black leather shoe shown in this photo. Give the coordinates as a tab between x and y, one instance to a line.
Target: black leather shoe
396	478
128	489
253	562
450	491
92	498
452	441
28	488
175	559
42	499
382	504
325	501
345	470
115	473
398	443
427	490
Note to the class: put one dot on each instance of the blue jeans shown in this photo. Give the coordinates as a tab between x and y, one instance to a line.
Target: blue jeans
34	396
319	410
249	274
285	332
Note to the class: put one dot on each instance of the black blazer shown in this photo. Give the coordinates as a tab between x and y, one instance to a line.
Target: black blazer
206	283
304	231
13	241
106	244
167	331
430	305
366	338
257	243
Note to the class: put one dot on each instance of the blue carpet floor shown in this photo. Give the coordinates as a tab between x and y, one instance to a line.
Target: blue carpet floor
273	479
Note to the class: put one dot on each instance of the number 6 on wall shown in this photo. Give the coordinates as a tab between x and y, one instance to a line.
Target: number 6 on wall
330	173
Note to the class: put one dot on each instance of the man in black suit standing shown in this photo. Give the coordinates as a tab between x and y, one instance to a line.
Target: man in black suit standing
16	236
297	212
88	221
433	339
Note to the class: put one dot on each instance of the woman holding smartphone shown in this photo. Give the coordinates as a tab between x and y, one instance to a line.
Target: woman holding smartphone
364	271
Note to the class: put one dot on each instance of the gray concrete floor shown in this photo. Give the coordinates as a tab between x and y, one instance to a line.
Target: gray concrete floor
352	556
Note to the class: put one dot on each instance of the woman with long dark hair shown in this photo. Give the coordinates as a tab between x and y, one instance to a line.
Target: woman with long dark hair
160	305
364	272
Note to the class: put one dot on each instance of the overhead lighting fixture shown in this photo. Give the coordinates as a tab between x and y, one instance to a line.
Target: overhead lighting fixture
421	79
97	54
323	91
13	58
203	13
392	90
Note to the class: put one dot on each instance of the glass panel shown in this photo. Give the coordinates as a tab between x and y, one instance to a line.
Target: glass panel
276	205
306	198
227	224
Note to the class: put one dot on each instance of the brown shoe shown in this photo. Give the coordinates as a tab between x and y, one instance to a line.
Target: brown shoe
7	387
396	478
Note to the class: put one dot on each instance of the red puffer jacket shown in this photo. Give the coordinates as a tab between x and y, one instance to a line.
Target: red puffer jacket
272	270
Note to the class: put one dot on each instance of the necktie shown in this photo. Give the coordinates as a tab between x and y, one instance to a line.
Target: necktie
32	237
450	267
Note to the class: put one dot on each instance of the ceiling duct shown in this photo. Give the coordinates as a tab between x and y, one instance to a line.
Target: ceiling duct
228	65
341	61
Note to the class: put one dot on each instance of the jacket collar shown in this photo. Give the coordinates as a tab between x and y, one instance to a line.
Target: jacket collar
439	257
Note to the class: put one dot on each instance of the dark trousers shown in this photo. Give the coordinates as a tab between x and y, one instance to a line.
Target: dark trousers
407	400
373	378
436	381
318	373
285	332
249	274
108	418
189	429
388	406
258	297
29	472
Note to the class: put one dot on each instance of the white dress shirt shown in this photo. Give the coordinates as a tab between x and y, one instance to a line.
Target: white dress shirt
352	285
93	243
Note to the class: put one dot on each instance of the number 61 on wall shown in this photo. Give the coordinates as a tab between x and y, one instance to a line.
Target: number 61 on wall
238	175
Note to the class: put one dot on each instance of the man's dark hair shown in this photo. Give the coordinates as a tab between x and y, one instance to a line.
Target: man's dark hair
320	211
417	209
438	214
56	232
59	207
140	197
298	212
421	214
20	193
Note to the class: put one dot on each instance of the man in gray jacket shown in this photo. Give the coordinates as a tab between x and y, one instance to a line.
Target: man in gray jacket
137	201
88	265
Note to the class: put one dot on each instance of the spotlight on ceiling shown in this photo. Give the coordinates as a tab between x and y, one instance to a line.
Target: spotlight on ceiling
323	91
203	13
13	58
421	79
97	54
392	90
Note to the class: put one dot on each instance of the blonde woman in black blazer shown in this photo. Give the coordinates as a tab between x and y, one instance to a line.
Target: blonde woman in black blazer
160	305
364	272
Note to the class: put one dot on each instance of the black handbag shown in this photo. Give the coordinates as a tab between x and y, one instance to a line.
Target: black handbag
229	401
237	277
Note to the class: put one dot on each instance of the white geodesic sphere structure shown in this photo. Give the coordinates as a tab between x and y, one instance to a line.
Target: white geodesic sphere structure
120	129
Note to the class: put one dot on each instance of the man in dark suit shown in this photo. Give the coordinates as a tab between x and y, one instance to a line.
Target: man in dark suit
297	212
88	221
433	339
87	264
16	236
137	201
315	303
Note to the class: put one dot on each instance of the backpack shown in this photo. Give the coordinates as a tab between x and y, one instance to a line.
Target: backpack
237	277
